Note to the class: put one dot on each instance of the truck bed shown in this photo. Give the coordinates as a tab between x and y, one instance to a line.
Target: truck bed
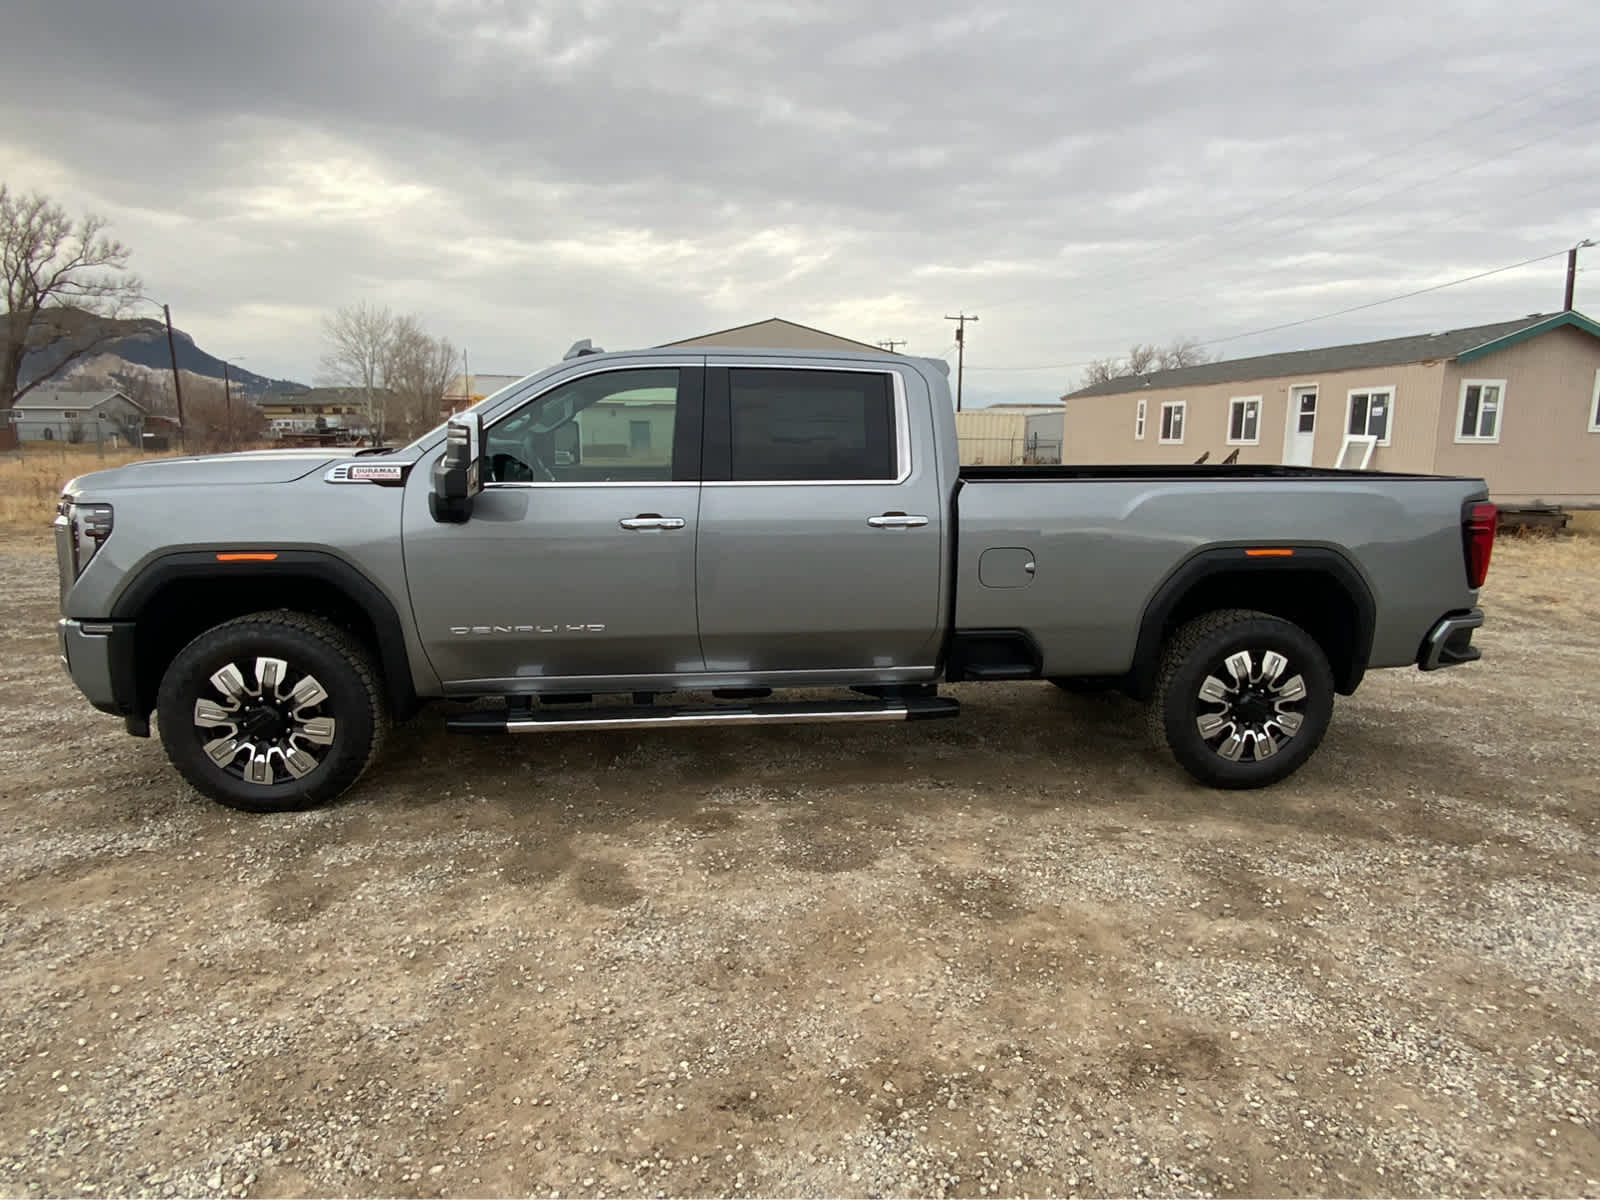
1203	471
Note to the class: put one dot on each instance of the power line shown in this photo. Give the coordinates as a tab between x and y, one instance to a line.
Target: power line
1169	297
1234	337
1299	224
890	343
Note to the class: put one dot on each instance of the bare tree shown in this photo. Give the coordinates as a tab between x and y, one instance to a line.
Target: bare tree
1144	358
400	368
1141	359
65	281
1102	370
360	340
419	369
1182	352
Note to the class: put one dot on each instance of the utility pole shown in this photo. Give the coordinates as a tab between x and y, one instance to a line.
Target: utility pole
1572	272
961	350
177	384
891	343
227	401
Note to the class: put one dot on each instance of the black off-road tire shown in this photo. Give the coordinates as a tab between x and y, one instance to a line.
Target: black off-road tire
310	646
1201	648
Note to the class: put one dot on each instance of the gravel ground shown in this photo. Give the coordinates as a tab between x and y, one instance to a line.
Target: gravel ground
1018	953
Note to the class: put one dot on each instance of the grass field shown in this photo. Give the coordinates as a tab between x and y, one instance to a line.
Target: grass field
31	484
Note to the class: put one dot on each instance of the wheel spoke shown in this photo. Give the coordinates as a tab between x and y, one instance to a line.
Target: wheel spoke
1293	688
259	768
1214	691
318	731
223	750
308	693
230	682
1272	665
208	714
1240	667
1264	743
1233	748
269	674
299	763
1212	725
1289	722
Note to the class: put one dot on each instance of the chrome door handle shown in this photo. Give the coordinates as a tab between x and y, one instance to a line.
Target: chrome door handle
652	522
897	521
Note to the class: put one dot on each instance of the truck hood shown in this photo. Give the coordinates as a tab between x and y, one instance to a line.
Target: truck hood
248	467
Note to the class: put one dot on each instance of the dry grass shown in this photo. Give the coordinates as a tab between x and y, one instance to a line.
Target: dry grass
31	484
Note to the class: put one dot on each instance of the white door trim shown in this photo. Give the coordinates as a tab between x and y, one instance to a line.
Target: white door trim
1291	424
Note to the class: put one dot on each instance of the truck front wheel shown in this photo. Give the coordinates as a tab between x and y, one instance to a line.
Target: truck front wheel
272	712
1242	698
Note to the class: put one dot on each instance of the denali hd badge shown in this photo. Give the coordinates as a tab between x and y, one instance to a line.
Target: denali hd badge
467	630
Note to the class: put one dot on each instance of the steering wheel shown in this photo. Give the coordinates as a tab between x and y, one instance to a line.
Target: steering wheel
539	468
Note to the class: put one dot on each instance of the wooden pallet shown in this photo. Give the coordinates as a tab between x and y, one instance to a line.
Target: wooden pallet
1542	518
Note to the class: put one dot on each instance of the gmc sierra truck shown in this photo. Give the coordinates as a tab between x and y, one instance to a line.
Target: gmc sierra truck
669	537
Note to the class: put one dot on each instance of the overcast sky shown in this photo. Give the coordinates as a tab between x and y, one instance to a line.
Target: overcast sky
1079	175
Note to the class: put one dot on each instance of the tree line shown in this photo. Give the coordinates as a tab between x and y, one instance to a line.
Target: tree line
1143	358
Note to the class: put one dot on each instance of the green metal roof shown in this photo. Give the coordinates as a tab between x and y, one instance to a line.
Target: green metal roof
1571	317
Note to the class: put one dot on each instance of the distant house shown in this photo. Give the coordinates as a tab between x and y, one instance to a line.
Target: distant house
318	410
1517	403
466	390
97	416
772	334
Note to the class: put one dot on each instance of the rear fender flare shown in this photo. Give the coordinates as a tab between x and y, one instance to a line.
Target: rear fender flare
1208	566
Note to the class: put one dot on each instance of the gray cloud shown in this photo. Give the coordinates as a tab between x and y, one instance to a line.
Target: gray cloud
527	174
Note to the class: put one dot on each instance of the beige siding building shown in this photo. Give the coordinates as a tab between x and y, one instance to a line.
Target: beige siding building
1517	403
1010	434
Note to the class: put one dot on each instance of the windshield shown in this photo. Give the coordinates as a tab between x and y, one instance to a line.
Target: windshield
416	445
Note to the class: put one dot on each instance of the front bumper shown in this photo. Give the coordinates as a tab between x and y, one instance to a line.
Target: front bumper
99	656
1449	644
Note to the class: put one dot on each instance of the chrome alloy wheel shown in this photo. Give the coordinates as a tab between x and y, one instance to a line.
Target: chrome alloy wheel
268	731
1257	710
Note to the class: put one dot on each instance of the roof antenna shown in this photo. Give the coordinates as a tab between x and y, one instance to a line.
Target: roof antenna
580	348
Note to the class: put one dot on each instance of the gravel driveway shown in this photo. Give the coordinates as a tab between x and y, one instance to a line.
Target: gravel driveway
1014	954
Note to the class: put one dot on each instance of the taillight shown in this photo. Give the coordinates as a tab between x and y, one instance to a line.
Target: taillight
1477	541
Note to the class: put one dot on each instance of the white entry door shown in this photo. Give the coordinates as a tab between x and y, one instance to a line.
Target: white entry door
1300	429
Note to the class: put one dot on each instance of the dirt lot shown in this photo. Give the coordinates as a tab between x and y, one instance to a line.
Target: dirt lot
1015	954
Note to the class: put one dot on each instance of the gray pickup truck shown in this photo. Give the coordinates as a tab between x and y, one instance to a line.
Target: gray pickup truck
683	533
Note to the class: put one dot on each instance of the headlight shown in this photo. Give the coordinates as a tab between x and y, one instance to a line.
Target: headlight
88	527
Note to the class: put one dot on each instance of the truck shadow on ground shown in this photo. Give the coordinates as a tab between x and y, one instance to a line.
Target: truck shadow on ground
1031	750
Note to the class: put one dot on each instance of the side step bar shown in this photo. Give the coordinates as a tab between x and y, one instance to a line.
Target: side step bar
919	708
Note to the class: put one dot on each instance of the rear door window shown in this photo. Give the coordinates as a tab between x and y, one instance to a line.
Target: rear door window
805	425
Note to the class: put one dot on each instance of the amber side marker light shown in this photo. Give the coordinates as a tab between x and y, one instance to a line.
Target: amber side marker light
247	558
1272	553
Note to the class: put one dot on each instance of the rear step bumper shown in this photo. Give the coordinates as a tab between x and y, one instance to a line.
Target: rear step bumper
920	708
1450	642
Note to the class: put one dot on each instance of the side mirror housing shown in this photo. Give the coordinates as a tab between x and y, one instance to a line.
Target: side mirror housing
458	475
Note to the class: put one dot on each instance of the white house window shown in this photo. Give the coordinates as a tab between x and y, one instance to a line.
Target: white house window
68	414
1478	414
1594	406
1244	421
1372	414
1138	421
1172	421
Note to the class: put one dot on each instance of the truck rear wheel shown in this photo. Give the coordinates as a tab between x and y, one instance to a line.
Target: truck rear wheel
1242	698
272	712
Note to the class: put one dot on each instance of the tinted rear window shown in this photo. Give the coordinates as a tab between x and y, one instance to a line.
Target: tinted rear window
808	425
